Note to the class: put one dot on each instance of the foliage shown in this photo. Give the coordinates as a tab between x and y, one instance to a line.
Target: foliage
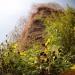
59	37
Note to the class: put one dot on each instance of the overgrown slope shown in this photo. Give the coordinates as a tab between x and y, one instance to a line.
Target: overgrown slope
47	44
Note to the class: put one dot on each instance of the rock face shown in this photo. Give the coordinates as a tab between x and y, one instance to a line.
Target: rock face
34	27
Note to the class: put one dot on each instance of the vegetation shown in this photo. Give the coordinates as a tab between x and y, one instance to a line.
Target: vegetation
58	54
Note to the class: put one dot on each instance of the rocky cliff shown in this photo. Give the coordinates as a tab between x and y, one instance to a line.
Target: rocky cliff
35	27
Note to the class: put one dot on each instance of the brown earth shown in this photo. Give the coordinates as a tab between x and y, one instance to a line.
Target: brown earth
70	72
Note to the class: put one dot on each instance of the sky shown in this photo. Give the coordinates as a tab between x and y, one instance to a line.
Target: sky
12	10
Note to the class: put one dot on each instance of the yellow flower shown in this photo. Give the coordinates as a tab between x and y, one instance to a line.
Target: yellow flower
14	51
47	42
14	46
73	67
22	53
45	59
